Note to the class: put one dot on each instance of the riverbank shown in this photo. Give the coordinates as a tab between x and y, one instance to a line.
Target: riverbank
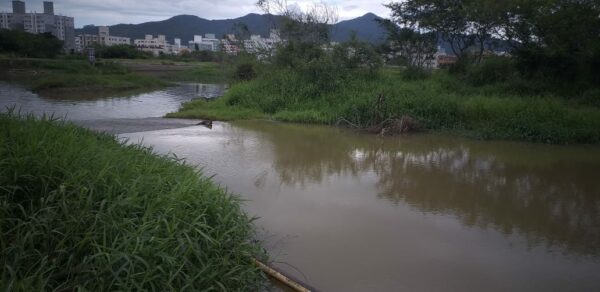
439	103
82	210
76	78
176	71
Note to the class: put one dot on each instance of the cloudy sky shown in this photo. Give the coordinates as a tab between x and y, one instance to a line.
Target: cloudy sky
108	12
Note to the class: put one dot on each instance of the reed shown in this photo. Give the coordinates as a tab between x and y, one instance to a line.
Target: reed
84	211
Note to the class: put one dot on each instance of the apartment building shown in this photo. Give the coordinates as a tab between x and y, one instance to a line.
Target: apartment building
103	38
62	27
207	43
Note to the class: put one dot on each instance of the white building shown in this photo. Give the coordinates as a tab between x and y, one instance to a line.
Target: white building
156	46
110	40
102	38
207	43
230	46
262	46
62	27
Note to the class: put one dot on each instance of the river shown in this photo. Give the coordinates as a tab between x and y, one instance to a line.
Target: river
344	211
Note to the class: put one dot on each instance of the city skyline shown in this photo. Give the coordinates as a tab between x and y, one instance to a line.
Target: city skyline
111	12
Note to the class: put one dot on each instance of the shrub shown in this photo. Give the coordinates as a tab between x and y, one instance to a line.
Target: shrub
25	44
490	70
245	71
415	73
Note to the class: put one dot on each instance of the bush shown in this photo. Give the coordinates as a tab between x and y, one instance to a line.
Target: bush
415	73
245	71
490	70
24	44
590	98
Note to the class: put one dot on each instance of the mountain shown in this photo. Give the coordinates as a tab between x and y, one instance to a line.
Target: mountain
186	26
366	28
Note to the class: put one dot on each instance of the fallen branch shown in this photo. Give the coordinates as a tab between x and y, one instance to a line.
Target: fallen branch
280	277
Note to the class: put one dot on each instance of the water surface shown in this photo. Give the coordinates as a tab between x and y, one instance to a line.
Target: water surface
139	112
353	212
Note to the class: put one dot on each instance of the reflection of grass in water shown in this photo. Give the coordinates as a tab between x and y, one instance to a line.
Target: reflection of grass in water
548	193
88	93
80	210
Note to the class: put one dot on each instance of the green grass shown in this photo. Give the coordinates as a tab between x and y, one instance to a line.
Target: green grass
215	110
441	102
46	76
204	72
81	211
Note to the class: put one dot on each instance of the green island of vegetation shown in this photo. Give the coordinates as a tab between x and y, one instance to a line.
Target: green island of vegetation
439	102
84	211
36	62
543	88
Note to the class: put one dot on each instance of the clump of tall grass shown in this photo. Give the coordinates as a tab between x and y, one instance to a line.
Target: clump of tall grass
441	102
83	211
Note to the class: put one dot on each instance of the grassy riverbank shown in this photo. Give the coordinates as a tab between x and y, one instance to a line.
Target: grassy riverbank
82	211
441	102
64	77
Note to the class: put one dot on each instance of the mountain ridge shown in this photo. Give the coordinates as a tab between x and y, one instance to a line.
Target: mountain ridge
185	26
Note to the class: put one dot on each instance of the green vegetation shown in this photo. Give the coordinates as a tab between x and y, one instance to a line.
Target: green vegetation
206	72
120	52
81	211
546	92
551	41
25	44
72	76
441	102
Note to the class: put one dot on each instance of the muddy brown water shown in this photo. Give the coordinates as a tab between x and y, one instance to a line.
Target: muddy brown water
350	212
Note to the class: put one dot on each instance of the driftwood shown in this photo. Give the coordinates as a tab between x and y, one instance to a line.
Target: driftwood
391	126
403	125
206	123
281	278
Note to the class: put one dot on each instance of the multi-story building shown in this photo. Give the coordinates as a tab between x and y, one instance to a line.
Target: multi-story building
262	46
62	27
110	40
229	44
103	38
156	46
207	43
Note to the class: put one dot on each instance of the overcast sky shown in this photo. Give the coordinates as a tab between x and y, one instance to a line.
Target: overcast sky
109	12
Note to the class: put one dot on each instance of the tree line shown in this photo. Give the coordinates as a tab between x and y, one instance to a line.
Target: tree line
24	44
551	39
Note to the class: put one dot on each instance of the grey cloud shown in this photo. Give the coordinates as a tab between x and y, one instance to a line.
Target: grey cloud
108	12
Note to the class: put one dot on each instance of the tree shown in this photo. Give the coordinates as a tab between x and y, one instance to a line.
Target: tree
354	54
463	24
43	45
549	39
558	39
296	25
416	48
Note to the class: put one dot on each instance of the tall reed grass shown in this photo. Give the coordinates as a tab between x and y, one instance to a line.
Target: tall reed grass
440	102
81	211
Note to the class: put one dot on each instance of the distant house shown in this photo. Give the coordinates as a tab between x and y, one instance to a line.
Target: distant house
446	60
